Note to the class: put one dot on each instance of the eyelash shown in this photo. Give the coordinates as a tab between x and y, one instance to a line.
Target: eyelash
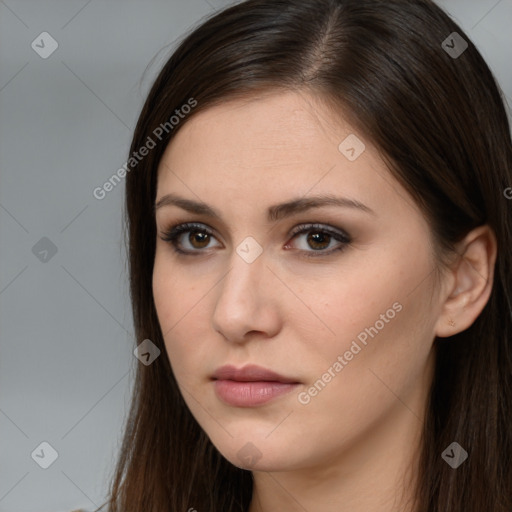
174	232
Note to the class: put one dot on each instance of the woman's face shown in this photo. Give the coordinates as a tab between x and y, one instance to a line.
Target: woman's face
344	311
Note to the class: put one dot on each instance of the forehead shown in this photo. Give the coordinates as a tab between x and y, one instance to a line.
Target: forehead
272	118
280	130
244	156
247	154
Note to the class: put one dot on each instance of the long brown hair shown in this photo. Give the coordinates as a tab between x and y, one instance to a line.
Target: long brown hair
438	118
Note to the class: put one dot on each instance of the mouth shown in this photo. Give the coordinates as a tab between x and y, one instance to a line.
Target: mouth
250	386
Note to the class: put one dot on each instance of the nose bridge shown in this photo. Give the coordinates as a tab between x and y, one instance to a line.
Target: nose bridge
240	303
246	271
247	263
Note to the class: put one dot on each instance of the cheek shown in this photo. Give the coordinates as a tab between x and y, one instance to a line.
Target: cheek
380	336
380	303
175	295
170	302
165	286
178	305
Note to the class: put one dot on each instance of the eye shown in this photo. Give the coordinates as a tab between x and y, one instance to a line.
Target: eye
320	238
198	238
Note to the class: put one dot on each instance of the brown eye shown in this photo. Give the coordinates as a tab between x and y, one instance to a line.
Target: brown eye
318	240
200	237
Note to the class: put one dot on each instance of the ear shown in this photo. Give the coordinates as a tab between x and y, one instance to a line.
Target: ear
471	281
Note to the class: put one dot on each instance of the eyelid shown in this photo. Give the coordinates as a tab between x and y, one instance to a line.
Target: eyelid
341	236
171	235
325	228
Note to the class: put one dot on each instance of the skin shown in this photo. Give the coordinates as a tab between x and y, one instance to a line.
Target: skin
355	445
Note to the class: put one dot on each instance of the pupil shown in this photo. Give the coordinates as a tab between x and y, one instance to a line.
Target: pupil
317	238
203	238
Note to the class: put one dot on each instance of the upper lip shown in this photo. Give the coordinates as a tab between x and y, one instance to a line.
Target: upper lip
249	373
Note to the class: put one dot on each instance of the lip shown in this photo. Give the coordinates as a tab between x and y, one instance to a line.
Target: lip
250	373
250	386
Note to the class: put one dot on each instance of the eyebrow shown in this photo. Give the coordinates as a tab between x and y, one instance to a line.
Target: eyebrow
274	213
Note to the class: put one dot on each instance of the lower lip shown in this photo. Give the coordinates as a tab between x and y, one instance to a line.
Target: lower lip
250	394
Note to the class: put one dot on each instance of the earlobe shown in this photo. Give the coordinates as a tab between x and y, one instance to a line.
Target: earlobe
472	276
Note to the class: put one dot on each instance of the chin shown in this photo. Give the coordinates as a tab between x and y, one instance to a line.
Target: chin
258	454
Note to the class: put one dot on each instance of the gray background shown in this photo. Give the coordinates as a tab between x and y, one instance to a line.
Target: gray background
66	365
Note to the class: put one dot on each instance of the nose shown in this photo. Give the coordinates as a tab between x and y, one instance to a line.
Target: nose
246	304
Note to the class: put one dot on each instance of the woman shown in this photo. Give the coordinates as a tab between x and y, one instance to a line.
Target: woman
320	265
